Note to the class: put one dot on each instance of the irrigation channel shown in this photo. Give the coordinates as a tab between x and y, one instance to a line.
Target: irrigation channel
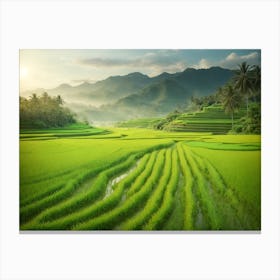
169	188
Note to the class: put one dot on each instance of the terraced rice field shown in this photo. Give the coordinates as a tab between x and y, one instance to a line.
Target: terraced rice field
140	180
140	123
211	119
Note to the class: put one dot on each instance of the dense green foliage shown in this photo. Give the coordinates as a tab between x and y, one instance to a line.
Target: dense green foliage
251	123
246	79
231	101
147	180
44	111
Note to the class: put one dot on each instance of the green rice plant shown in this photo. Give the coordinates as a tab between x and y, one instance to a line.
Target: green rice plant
189	199
227	203
60	132
52	201
141	123
100	207
45	160
140	181
137	221
159	218
230	207
44	193
216	178
207	201
29	211
130	205
51	173
226	146
45	188
176	219
91	195
42	189
241	173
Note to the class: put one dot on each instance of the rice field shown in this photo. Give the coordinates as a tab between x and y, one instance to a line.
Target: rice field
139	179
212	119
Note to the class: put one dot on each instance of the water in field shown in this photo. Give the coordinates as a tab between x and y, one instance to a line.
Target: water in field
109	188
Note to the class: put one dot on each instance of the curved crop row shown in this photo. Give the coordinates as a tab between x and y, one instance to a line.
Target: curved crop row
41	197
234	211
221	187
100	207
225	193
228	204
83	199
63	196
139	182
227	196
189	199
130	206
51	189
29	211
136	222
47	188
203	192
158	218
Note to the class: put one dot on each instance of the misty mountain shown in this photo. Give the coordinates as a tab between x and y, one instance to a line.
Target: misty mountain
166	93
137	95
102	92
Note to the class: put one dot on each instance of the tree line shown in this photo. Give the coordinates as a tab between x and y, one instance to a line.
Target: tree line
44	112
245	85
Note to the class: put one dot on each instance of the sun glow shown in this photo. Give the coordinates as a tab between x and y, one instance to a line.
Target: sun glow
23	73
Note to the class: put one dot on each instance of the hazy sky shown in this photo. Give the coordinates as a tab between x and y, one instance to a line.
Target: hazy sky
50	68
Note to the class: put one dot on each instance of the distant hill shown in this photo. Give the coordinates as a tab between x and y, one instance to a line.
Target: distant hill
137	95
167	92
102	92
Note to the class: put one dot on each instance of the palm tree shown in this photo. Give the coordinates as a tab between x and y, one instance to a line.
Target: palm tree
256	80
59	100
231	101
243	81
256	71
219	95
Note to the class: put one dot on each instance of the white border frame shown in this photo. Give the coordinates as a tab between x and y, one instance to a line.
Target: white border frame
147	24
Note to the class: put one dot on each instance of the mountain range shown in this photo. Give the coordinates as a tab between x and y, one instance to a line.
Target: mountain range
137	95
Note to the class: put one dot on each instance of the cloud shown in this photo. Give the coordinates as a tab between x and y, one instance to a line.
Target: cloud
154	62
103	62
147	60
233	59
202	64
